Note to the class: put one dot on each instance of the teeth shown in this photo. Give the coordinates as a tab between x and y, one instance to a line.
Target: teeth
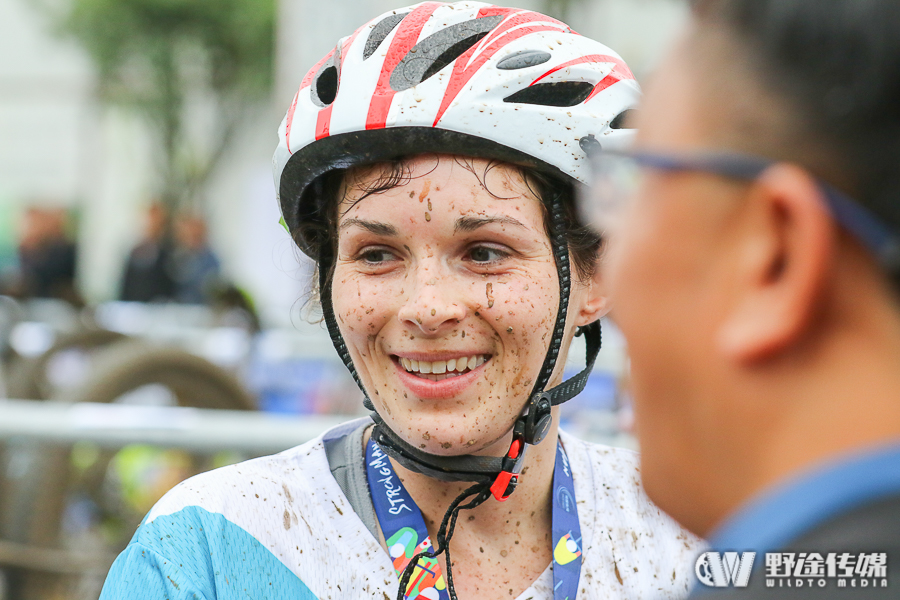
434	377
441	369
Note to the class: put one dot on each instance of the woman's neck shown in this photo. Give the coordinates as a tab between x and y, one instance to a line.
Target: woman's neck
530	503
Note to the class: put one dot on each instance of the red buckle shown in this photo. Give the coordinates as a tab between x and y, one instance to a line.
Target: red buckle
508	478
514	449
501	487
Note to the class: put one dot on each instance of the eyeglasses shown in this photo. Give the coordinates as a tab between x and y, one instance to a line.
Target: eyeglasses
618	175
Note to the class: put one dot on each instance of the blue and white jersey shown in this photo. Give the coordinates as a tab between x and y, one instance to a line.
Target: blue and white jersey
280	527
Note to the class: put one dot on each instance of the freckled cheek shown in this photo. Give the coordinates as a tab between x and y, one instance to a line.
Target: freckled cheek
523	313
362	312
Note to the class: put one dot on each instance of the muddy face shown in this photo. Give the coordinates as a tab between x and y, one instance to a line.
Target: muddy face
446	296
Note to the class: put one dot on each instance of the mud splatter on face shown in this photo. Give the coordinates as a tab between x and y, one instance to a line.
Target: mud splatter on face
425	301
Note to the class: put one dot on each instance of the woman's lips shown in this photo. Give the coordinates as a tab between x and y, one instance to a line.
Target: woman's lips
446	388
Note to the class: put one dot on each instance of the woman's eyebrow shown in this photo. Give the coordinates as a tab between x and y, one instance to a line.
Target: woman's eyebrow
372	226
472	223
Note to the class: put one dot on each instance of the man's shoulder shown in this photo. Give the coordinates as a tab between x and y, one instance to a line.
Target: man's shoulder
871	526
852	554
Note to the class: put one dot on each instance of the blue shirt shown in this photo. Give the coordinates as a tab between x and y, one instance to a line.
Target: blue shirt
787	511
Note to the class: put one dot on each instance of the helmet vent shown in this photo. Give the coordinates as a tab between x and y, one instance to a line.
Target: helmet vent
523	60
326	85
625	120
439	50
381	31
563	93
451	54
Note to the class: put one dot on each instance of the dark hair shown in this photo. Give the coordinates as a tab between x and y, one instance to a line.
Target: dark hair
584	244
833	69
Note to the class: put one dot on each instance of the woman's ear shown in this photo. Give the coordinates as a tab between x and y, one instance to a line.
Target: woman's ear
592	301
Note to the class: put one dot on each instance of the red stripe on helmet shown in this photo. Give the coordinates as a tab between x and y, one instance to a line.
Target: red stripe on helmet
405	38
614	77
620	69
323	122
500	37
323	118
307	80
289	120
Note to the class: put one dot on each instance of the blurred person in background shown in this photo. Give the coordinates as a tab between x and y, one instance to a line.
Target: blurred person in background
195	266
429	166
47	257
149	272
753	266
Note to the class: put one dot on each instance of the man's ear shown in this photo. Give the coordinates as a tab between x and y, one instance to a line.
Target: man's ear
596	303
784	246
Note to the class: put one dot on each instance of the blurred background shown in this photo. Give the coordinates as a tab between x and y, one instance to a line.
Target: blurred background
154	320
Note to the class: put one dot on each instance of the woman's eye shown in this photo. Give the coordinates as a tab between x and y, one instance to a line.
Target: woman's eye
486	254
377	256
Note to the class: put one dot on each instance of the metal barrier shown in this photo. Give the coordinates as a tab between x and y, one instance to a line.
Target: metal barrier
194	429
37	439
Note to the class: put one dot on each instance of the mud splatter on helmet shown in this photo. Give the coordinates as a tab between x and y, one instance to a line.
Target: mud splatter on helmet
466	78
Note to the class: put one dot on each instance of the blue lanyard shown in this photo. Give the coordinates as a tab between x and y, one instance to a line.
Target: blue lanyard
405	533
566	530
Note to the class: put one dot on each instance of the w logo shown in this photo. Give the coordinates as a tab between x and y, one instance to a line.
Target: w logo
721	570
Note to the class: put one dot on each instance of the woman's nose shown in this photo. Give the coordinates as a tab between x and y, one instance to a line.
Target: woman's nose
431	305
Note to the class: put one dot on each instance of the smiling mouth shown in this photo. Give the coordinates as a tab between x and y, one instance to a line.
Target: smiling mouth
443	369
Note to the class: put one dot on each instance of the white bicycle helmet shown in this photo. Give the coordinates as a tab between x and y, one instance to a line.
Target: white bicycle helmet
465	78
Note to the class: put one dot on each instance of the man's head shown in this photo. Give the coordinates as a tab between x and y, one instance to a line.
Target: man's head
757	325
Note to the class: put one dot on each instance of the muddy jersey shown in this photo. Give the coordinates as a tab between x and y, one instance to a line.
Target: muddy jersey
280	527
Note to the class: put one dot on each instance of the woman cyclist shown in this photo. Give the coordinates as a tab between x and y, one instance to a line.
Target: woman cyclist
428	165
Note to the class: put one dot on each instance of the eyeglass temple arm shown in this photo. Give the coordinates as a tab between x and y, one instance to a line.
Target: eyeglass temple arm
868	229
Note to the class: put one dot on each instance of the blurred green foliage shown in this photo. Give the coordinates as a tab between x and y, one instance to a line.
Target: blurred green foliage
155	56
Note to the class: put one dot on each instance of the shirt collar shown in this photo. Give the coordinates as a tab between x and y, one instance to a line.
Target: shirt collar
785	512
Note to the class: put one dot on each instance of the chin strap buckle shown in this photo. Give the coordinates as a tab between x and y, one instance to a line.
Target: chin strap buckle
508	478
